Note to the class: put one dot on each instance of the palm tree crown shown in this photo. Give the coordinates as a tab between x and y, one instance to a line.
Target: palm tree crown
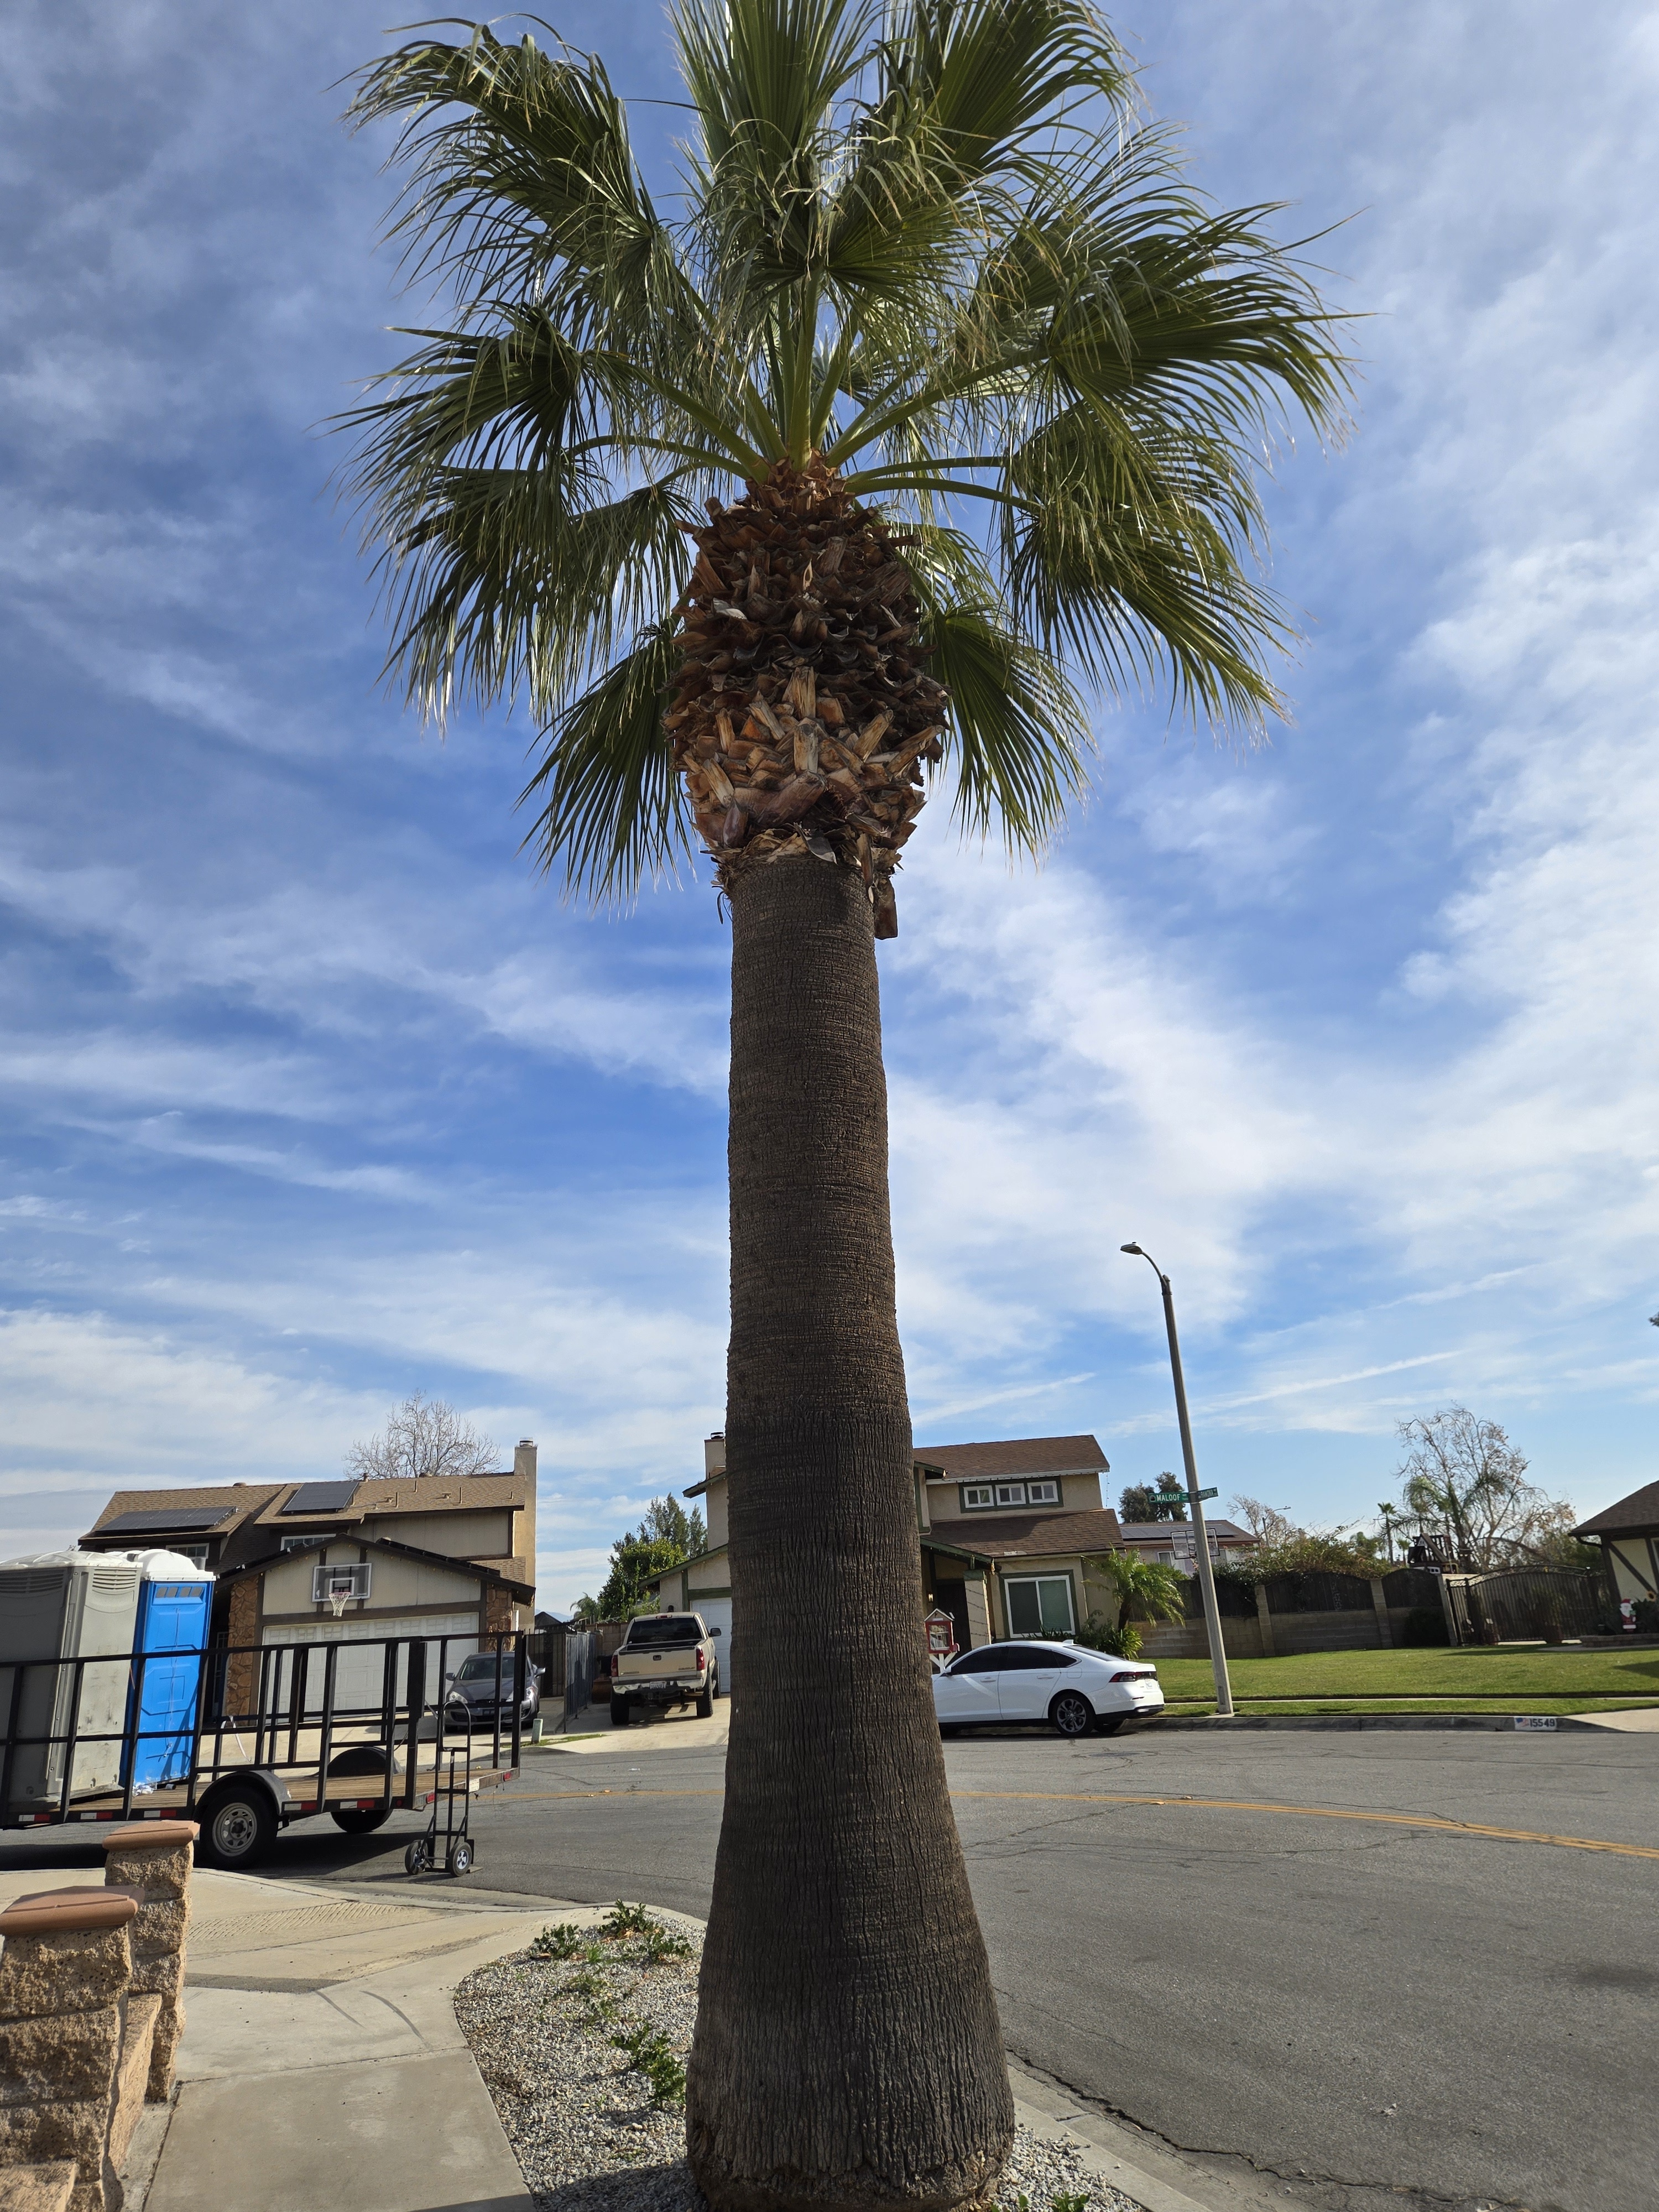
927	271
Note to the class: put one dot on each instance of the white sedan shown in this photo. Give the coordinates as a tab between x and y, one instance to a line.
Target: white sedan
1072	1689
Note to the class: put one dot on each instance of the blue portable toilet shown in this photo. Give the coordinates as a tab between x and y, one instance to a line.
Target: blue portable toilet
175	1598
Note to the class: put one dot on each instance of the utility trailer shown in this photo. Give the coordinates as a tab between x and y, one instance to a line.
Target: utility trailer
356	1728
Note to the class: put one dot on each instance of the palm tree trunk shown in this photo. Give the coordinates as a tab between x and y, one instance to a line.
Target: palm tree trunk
848	2050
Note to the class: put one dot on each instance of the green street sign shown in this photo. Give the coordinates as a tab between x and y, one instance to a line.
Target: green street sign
1180	1497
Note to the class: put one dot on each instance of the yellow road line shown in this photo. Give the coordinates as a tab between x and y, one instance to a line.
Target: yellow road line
1429	1820
1328	1812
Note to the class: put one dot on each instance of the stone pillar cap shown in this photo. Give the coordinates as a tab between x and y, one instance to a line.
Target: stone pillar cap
61	1912
165	1835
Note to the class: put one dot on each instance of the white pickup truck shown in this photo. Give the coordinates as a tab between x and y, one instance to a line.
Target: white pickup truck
666	1659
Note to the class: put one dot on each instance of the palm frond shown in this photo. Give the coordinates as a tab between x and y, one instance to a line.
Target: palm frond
613	813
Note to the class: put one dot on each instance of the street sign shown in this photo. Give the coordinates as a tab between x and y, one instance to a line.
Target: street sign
1180	1497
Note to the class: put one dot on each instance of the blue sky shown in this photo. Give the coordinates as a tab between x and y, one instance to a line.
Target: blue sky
313	1094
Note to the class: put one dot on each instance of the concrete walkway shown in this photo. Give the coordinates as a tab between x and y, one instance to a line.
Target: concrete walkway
592	1731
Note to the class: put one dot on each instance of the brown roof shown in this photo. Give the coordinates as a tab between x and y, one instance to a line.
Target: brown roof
1634	1515
1035	1535
1016	1455
487	1570
1153	1531
257	1517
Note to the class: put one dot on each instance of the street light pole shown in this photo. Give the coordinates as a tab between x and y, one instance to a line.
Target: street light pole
1223	1688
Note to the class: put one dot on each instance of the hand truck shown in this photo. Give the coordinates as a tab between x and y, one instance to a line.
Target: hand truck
422	1856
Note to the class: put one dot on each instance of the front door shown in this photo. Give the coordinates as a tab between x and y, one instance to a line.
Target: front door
968	1692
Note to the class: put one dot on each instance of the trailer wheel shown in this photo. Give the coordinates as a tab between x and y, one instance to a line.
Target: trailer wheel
357	1820
238	1827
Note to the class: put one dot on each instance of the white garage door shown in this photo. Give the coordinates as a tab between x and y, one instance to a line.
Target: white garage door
361	1674
717	1612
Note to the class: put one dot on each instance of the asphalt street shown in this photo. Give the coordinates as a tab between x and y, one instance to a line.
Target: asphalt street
1351	2006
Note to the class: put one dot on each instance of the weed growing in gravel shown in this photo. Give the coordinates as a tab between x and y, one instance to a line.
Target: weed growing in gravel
654	2055
660	1943
1065	2202
627	1920
563	1941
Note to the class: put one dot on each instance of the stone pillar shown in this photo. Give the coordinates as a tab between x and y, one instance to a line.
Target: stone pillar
151	1862
1264	1621
70	2037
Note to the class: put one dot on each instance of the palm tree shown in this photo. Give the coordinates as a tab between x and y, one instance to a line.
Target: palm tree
936	395
1141	1589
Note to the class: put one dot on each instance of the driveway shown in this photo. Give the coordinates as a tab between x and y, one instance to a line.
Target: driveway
1356	2007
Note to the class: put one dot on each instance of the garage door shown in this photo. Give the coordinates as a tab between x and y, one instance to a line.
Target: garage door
361	1674
717	1612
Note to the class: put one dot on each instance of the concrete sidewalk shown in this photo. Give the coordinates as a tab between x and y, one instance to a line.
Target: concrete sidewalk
592	1731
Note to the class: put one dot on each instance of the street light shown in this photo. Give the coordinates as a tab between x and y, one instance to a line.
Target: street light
1195	1497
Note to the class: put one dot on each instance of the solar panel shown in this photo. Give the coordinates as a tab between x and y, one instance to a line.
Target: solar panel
321	1498
177	1516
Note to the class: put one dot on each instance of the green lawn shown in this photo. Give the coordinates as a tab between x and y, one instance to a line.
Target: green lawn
1527	1679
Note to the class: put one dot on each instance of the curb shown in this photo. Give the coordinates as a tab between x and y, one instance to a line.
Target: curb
1505	1723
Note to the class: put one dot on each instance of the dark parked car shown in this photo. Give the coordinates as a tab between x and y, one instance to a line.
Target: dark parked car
482	1685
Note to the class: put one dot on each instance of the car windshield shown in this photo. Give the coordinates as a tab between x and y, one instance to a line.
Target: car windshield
480	1667
668	1632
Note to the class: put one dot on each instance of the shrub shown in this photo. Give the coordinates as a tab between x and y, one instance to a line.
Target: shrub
1424	1624
563	1941
1647	1616
1100	1633
659	1943
627	1920
652	2054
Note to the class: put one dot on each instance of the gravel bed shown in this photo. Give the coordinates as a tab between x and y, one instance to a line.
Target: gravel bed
585	2127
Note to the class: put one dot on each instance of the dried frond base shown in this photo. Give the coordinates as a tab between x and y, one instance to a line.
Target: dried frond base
804	711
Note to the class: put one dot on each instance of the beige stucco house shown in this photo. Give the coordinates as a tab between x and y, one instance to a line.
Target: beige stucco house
1007	1533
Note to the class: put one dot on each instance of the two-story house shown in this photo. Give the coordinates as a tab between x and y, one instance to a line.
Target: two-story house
1006	1534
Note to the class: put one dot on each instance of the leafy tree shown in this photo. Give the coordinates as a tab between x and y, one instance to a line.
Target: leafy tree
961	395
1139	1590
637	1564
423	1436
666	1521
1140	1501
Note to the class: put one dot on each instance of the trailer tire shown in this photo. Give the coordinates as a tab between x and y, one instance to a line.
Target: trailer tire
360	1820
238	1825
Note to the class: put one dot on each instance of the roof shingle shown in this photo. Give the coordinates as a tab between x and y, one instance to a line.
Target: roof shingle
1015	1456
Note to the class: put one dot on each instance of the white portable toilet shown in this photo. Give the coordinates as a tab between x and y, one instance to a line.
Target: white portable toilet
66	1605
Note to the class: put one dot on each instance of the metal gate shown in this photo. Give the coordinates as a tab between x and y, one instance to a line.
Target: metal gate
1522	1604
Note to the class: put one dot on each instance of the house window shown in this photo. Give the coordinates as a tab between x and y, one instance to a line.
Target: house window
196	1553
1042	1493
1040	1605
303	1543
976	1496
1011	1493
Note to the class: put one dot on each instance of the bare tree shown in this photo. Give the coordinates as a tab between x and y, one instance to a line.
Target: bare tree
423	1436
1465	1474
1265	1523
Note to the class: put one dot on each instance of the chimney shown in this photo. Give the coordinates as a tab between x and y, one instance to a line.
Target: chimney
714	1453
524	1461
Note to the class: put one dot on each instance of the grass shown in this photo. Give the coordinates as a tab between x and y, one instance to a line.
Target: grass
1523	1678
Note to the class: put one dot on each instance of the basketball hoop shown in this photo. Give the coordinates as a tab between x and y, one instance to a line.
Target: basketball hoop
339	1594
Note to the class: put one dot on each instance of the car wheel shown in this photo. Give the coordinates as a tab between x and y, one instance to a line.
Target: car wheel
706	1702
621	1711
1070	1714
238	1828
360	1820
